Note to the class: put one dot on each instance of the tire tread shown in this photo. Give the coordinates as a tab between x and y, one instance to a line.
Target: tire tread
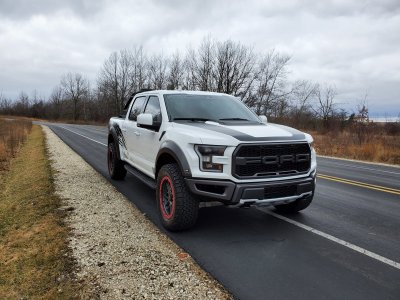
119	171
186	206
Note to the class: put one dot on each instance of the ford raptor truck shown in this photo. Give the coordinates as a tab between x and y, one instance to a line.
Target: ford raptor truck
194	147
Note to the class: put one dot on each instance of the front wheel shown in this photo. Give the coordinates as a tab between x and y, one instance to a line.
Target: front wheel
177	208
115	165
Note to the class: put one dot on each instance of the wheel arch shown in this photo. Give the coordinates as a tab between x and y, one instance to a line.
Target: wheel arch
170	152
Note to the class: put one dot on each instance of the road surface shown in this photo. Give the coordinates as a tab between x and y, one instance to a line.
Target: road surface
346	245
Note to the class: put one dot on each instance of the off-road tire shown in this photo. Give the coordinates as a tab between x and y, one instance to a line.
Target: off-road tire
177	208
115	165
295	206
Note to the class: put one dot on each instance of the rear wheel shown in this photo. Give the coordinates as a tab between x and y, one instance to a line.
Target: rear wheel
177	208
115	165
295	206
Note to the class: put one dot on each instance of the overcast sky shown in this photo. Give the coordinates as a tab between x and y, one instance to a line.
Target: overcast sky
353	44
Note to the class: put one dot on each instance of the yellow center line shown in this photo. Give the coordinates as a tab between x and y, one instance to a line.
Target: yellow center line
361	184
364	183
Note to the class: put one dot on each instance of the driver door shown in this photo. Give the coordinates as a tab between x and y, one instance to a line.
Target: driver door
149	138
130	130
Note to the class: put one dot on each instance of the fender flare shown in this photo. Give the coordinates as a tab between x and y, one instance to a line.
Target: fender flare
113	132
171	148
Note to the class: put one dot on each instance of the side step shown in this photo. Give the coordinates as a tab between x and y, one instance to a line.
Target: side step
142	177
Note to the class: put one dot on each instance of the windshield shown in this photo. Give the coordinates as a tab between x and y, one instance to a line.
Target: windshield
207	107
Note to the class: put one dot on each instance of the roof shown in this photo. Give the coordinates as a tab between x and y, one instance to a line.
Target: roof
163	92
169	92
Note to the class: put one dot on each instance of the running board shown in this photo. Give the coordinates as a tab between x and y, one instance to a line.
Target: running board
150	182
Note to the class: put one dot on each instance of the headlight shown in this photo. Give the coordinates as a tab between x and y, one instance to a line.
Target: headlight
309	139
206	154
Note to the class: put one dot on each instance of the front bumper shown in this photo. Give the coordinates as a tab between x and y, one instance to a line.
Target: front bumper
258	193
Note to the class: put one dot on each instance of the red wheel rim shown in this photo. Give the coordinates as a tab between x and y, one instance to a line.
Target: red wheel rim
167	198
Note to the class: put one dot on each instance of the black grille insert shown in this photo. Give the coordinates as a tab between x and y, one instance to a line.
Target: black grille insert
271	160
280	191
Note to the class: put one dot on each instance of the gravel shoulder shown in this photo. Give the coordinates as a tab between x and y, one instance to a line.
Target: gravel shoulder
120	254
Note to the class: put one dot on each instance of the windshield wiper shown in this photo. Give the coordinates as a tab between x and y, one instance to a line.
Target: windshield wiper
193	119
233	119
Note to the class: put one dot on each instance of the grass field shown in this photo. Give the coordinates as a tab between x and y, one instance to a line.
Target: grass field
34	254
13	133
380	148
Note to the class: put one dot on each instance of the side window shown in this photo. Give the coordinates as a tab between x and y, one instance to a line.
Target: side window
136	108
153	107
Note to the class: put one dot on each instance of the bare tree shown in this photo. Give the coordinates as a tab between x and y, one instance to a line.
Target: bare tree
303	93
227	66
325	106
234	67
37	107
189	70
270	82
139	76
176	73
21	107
75	88
361	124
157	68
200	64
5	105
56	101
115	77
362	109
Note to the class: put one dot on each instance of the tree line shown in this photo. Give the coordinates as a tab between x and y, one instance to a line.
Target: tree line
260	80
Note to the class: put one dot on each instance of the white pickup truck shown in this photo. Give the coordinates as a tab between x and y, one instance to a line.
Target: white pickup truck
194	147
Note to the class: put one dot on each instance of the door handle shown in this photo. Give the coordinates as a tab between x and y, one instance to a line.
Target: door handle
137	133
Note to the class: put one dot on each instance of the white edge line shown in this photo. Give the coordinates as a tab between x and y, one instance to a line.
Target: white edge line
83	135
338	241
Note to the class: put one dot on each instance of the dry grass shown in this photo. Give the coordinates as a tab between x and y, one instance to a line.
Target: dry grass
375	147
35	261
13	133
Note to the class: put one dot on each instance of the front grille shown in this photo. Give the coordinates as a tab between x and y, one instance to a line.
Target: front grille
270	160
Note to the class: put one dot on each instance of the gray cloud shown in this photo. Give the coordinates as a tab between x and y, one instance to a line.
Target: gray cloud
352	44
22	9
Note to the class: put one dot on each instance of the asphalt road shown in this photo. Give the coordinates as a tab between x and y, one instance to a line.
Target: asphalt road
346	245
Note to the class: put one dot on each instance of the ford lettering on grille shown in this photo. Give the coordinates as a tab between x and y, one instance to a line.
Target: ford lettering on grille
271	160
279	160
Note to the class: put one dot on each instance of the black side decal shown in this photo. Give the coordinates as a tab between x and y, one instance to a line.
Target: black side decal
161	136
120	136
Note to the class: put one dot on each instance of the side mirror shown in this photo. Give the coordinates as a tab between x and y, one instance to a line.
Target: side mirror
146	121
263	119
123	113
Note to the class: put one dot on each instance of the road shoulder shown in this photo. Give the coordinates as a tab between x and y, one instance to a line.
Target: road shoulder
119	252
